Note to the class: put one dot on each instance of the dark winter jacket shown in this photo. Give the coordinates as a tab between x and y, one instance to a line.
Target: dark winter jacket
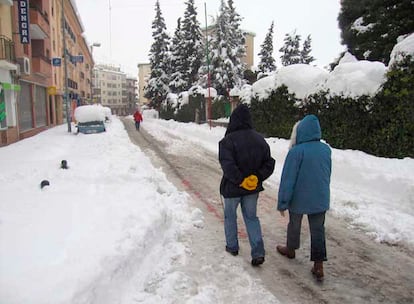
305	183
243	152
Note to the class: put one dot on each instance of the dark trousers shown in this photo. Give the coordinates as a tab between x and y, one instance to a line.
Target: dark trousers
317	231
137	125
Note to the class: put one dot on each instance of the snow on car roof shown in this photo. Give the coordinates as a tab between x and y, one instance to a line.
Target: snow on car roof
89	113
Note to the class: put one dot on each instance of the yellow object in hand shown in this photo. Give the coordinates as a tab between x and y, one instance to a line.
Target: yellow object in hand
250	182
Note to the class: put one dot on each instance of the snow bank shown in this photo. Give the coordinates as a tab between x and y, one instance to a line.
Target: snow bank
353	79
350	78
90	113
301	79
401	49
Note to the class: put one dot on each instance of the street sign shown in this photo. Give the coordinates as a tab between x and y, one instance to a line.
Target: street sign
56	61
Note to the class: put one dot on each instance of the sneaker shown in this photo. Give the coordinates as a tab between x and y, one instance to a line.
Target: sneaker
232	252
283	250
258	261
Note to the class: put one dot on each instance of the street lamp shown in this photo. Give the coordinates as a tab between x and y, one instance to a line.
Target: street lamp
65	95
95	44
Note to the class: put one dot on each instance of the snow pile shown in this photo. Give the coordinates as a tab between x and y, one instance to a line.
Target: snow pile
109	217
89	113
353	79
301	79
350	78
401	49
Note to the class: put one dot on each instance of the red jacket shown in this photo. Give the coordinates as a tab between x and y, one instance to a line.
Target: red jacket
138	116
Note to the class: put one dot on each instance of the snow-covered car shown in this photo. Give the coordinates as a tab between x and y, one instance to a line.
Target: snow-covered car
90	119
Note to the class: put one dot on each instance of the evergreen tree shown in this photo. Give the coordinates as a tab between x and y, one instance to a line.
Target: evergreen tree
237	42
177	83
370	28
305	55
267	62
193	49
157	87
227	49
290	49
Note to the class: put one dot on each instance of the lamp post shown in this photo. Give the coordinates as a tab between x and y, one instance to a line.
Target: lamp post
95	44
65	94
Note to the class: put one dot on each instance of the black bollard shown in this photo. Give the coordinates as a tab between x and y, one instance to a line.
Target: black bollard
64	164
44	183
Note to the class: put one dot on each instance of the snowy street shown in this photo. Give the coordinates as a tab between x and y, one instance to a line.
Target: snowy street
137	218
360	270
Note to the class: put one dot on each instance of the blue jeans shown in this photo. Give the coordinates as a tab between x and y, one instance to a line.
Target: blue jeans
248	206
317	231
137	125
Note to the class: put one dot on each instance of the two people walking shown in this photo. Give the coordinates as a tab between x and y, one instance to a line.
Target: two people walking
246	162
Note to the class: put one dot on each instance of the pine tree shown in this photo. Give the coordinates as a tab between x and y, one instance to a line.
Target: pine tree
237	43
193	49
227	49
370	28
290	49
157	87
177	83
267	62
305	55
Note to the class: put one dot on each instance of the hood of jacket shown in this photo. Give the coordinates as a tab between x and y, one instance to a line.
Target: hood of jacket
240	119
308	129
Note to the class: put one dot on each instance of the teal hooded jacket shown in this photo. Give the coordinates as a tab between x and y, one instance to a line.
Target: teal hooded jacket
305	182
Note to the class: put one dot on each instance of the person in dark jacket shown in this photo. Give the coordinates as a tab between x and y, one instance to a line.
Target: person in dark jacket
305	189
246	162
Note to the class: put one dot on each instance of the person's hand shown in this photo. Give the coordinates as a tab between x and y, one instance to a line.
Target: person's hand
250	182
282	213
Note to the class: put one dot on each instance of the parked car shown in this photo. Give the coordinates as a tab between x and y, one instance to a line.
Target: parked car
90	119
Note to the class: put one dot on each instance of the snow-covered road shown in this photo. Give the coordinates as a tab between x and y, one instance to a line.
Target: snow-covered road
359	269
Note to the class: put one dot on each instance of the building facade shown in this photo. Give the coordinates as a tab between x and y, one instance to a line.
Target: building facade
144	73
110	88
32	75
8	87
132	96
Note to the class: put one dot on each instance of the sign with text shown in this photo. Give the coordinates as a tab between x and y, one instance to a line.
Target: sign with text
24	23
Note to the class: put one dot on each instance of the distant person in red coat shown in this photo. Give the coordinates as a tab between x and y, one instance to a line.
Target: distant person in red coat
137	119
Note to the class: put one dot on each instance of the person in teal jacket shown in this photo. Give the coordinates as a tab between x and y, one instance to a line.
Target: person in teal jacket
305	189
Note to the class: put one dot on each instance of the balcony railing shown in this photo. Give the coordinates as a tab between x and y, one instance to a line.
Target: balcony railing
41	65
7	49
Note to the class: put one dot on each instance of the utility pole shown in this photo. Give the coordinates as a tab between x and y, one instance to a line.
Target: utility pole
208	70
65	65
96	44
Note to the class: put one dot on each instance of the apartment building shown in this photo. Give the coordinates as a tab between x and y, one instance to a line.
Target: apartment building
110	88
32	75
8	87
144	73
132	96
79	61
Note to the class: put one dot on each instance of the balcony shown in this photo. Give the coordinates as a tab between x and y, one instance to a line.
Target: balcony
7	56
41	65
39	23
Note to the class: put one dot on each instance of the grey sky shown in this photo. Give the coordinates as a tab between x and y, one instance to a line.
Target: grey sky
126	37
